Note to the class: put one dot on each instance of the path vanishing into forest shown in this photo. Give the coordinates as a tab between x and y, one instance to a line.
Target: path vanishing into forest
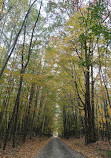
56	149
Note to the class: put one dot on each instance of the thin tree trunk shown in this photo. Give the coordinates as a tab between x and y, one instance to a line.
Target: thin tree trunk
36	103
92	102
16	39
16	107
28	117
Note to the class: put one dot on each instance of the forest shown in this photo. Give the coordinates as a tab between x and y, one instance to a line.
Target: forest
55	69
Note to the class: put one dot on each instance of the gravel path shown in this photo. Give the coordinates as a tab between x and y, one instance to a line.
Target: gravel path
56	149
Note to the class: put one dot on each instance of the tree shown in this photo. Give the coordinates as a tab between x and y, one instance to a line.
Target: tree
80	40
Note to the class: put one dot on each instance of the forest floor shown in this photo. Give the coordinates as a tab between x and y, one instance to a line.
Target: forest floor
27	150
100	149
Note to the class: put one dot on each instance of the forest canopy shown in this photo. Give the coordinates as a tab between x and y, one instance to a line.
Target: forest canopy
55	69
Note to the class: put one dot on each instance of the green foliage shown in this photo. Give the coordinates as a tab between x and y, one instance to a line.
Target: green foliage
109	153
65	47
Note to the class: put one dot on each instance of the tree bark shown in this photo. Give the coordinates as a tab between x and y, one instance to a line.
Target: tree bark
28	117
15	110
90	133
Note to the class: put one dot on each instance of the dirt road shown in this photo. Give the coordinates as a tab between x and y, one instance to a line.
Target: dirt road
56	149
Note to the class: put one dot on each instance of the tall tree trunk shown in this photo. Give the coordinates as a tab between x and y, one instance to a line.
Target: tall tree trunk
107	123
90	133
92	102
15	111
36	103
28	117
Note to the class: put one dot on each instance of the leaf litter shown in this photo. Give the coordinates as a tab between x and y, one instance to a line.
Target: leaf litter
99	149
27	150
